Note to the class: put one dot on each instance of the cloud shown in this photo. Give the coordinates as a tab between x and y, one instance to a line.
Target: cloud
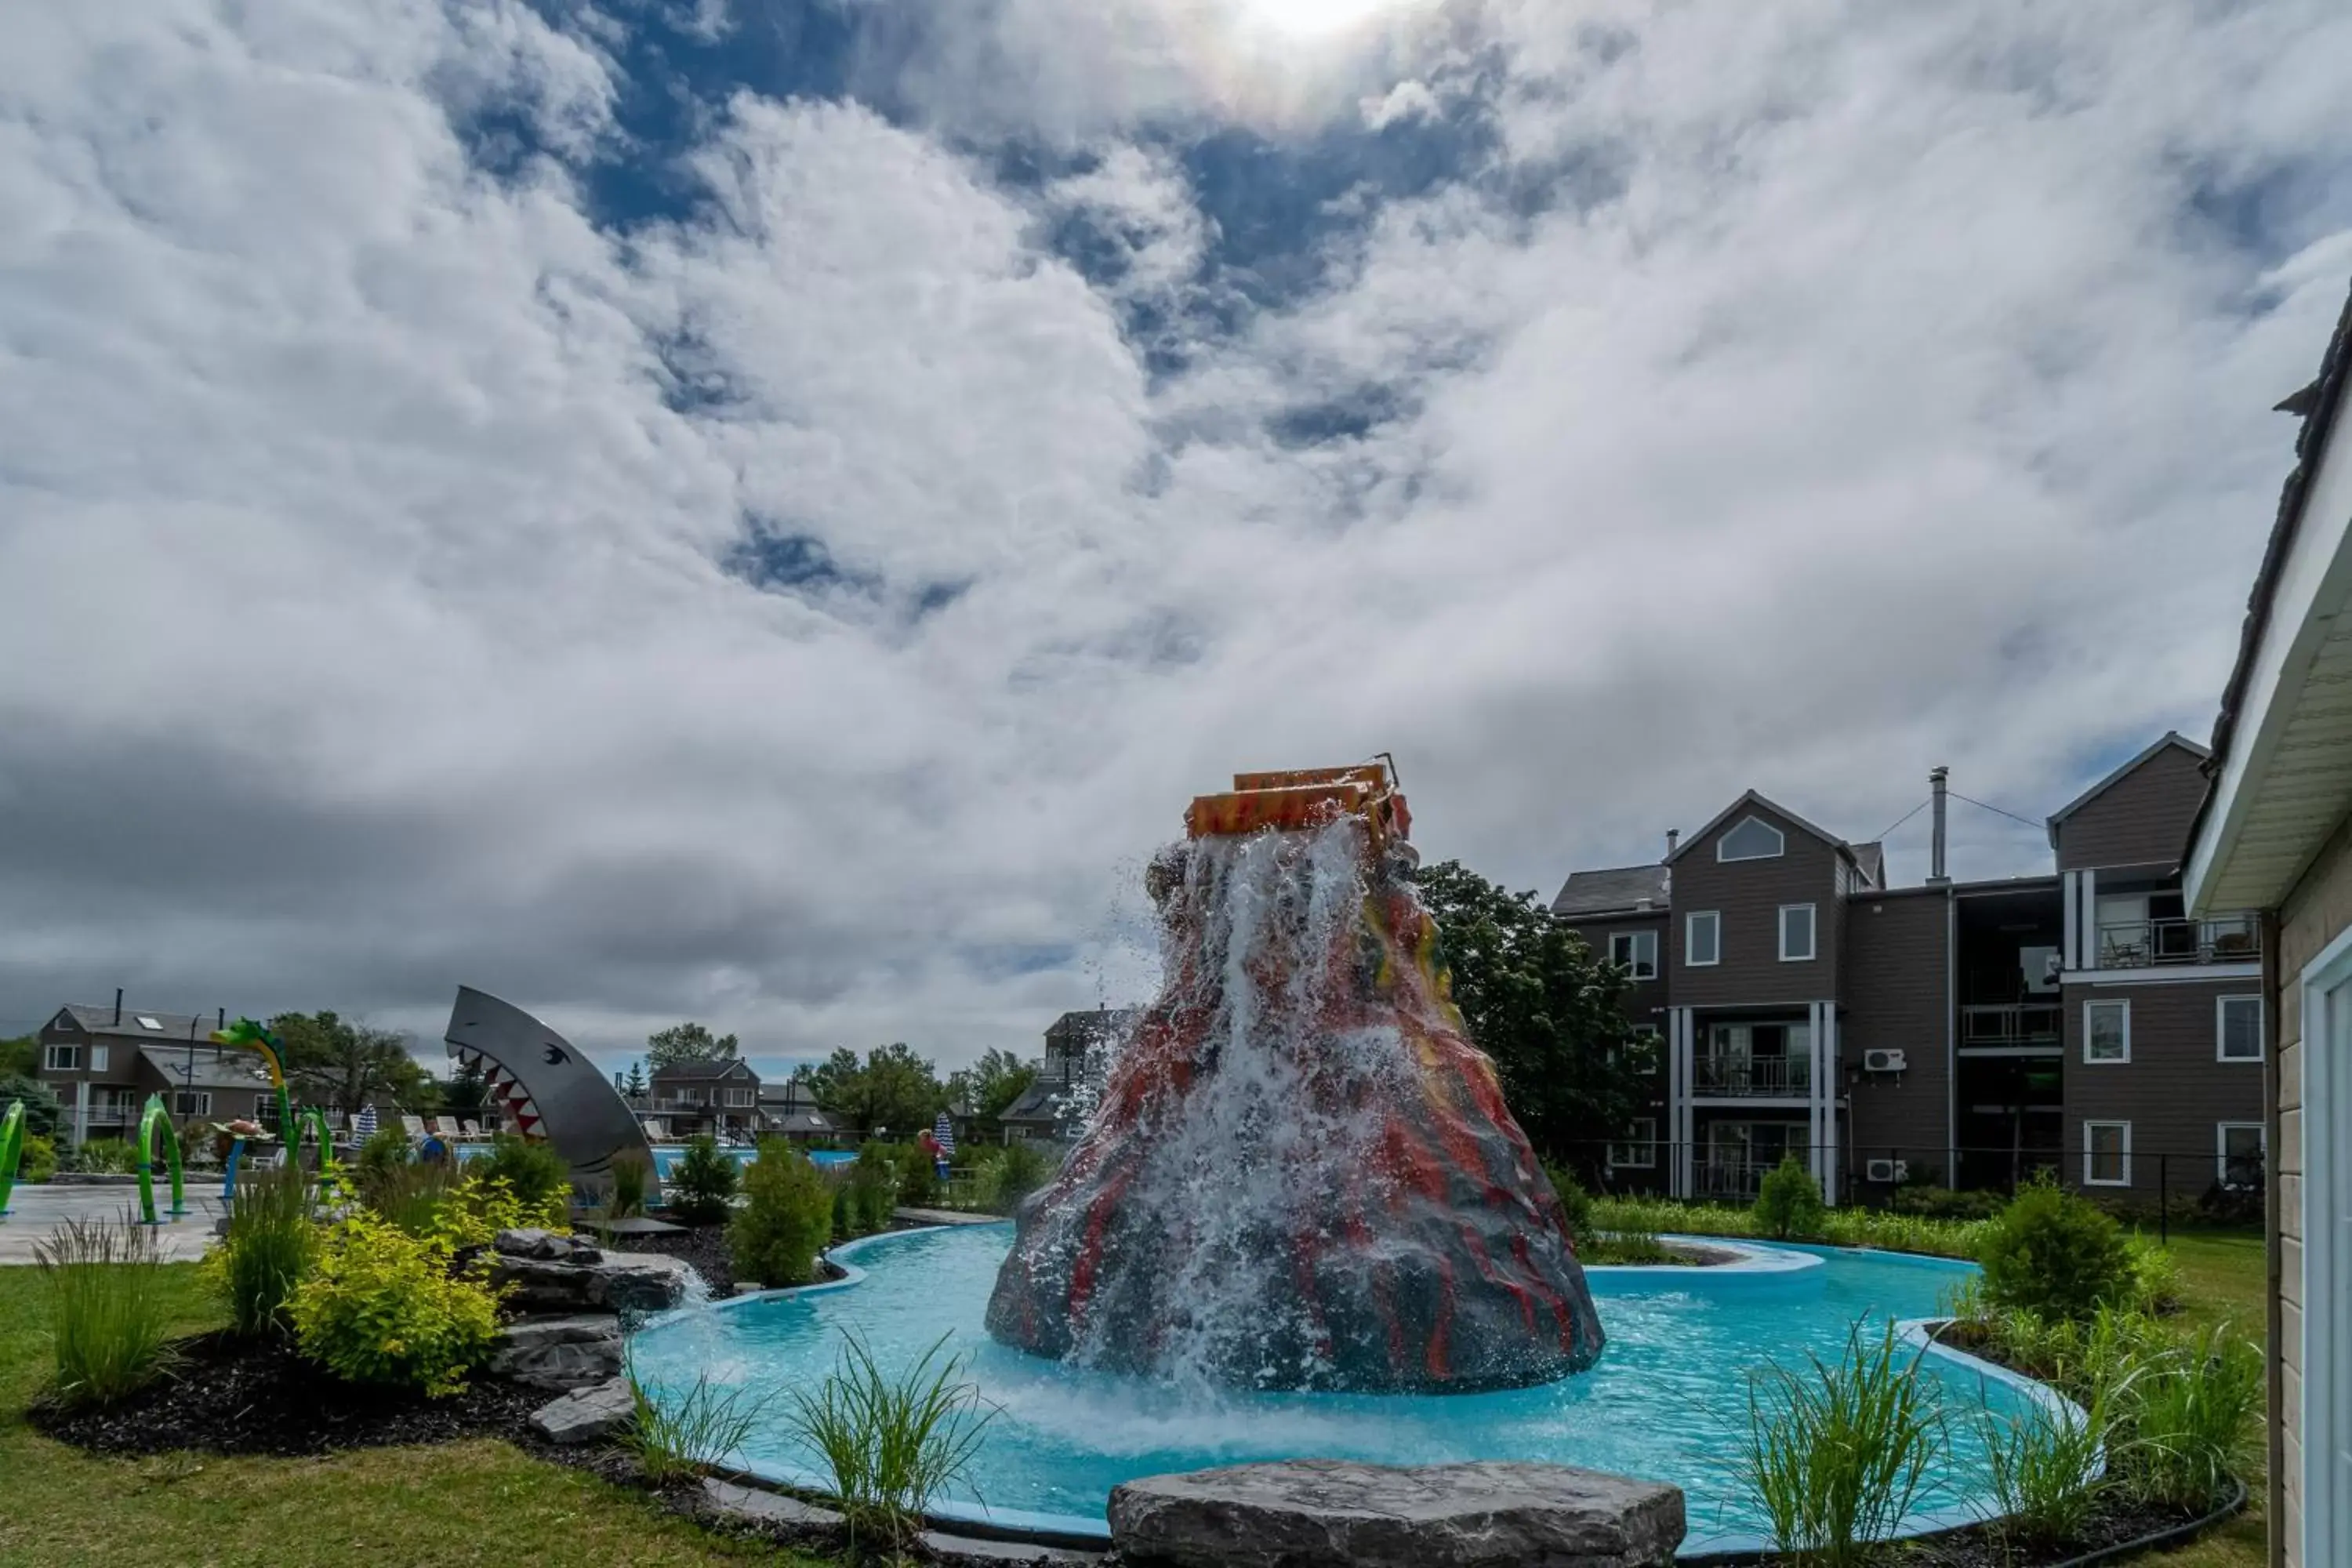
801	606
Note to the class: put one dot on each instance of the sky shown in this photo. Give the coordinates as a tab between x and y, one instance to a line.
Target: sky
765	510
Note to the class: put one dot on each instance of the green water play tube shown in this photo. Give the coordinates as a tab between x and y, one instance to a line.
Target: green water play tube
152	1118
12	1149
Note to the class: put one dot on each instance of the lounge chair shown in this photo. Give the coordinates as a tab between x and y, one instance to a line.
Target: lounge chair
468	1130
414	1126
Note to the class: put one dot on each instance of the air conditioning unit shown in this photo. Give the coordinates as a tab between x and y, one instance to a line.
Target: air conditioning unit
1885	1171
1883	1061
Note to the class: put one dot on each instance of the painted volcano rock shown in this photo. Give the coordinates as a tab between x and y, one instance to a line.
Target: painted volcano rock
1300	1174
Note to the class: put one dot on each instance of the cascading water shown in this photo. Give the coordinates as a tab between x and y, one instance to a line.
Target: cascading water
1300	1174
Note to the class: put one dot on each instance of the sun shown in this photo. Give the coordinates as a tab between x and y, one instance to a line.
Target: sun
1311	19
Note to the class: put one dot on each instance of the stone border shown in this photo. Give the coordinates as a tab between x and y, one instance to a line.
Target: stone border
1752	1263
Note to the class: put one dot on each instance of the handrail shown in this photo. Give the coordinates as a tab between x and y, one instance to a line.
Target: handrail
1758	1076
2138	944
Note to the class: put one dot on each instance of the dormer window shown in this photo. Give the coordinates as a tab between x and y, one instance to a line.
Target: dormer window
1753	839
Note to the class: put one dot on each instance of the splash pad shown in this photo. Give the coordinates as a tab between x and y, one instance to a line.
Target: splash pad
1300	1174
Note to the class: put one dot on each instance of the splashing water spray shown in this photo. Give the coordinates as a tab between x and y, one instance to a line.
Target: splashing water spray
1299	1173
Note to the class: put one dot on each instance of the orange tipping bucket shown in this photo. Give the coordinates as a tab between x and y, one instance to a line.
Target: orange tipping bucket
1302	799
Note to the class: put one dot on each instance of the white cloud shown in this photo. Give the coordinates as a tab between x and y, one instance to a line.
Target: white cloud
1881	400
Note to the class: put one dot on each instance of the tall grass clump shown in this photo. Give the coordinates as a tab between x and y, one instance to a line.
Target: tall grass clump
1837	1455
410	1196
2190	1410
270	1247
698	1430
785	1220
630	1177
892	1444
2048	1462
109	1319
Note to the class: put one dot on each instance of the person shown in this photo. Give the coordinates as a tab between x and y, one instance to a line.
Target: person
930	1145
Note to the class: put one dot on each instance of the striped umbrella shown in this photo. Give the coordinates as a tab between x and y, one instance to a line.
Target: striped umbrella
363	1124
943	1130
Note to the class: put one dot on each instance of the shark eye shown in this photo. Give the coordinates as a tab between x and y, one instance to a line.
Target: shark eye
556	1055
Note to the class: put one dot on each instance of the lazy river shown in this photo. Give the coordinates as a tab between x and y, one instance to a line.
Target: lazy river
1668	1399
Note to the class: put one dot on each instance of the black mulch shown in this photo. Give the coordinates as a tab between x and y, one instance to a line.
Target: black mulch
233	1396
704	1246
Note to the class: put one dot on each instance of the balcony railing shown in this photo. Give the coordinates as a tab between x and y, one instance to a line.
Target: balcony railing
2014	1024
2143	944
1784	1077
1729	1176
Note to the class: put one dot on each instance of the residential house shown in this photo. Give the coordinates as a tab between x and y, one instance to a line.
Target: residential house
1047	1109
718	1097
790	1112
1969	1032
2275	832
102	1063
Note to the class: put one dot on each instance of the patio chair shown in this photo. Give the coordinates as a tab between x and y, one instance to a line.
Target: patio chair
468	1130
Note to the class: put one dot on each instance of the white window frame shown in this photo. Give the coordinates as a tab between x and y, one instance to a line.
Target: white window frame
2090	1154
98	1058
2221	1028
1632	959
1779	842
265	1106
2326	1030
740	1098
2221	1131
1812	934
1690	945
61	1057
2088	1034
192	1102
1644	1138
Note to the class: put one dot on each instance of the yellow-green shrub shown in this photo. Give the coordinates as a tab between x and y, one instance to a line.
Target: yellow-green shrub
385	1307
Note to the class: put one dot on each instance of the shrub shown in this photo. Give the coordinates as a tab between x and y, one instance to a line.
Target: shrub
702	1427
2055	1256
631	1175
477	1209
892	1444
2190	1409
1575	1202
2155	1276
871	1191
386	1149
1021	1170
386	1307
270	1247
109	1316
919	1176
785	1220
44	1113
1789	1201
1943	1203
2046	1465
1836	1458
538	1177
39	1161
408	1196
701	1183
106	1156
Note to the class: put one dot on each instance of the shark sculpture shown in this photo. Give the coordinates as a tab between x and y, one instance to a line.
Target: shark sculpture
547	1089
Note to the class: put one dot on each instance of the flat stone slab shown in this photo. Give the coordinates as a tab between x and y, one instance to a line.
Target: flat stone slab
637	1224
559	1353
589	1416
758	1506
944	1216
587	1281
971	1552
1329	1513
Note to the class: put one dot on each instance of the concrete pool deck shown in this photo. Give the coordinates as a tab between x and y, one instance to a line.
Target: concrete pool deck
34	1213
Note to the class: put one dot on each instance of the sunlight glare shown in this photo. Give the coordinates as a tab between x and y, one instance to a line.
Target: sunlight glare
1309	19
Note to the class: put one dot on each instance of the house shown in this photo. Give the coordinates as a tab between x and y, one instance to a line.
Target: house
102	1062
2275	832
1047	1109
788	1111
1968	1033
717	1097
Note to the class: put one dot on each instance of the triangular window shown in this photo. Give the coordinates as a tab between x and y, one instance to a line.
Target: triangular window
1753	839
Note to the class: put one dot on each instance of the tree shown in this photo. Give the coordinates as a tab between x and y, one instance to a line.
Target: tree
990	1085
635	1088
20	1057
463	1092
687	1042
43	1114
1549	1014
892	1087
330	1059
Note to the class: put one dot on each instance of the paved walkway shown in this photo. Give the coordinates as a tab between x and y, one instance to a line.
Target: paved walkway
34	1212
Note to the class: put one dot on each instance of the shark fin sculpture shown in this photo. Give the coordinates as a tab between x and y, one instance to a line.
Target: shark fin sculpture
546	1087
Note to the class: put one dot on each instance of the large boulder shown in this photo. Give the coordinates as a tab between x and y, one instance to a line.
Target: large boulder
587	1281
587	1414
559	1353
1328	1513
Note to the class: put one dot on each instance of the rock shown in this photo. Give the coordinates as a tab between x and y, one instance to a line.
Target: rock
603	1282
544	1244
971	1552
1328	1513
559	1353
586	1415
644	1281
752	1506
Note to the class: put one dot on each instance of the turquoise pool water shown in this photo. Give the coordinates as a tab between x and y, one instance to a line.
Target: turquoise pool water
1667	1400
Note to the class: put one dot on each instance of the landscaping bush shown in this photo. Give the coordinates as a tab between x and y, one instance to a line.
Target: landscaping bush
1575	1202
785	1220
2191	1409
1789	1201
1943	1203
1836	1457
106	1156
410	1196
699	1428
631	1176
2155	1276
109	1317
2046	1465
538	1177
890	1444
477	1209
1021	1170
919	1177
44	1113
385	1307
386	1149
2055	1256
37	1161
270	1247
870	1192
702	1183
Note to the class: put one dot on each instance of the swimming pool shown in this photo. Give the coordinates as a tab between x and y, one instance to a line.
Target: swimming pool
1667	1400
668	1154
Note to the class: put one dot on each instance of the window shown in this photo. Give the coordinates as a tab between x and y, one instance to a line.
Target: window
2106	1153
1754	839
192	1102
61	1058
1637	950
2106	1032
148	1021
1796	932
2238	1029
265	1106
1640	1151
2238	1154
1703	939
740	1097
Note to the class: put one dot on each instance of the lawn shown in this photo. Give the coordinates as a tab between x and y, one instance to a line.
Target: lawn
487	1502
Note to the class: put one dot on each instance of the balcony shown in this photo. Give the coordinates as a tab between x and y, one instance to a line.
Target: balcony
1770	1078
2145	945
2010	1025
1729	1178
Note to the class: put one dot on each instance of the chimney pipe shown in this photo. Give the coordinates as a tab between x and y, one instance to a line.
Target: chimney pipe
1673	833
118	1003
220	1019
1936	782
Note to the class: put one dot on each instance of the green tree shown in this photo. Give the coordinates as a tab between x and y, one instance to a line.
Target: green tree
43	1113
463	1092
687	1042
1549	1014
20	1057
893	1087
991	1084
636	1087
332	1060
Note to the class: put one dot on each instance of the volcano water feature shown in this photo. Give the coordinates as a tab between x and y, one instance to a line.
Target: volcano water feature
1300	1174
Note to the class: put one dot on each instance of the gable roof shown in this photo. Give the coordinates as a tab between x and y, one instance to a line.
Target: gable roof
1750	799
703	1071
213	1067
2170	737
1618	890
1870	860
99	1020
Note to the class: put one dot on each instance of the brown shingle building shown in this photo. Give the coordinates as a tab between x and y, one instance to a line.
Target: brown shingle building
1968	1033
102	1062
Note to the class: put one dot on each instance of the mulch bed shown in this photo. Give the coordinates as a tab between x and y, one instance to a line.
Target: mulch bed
237	1396
704	1246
